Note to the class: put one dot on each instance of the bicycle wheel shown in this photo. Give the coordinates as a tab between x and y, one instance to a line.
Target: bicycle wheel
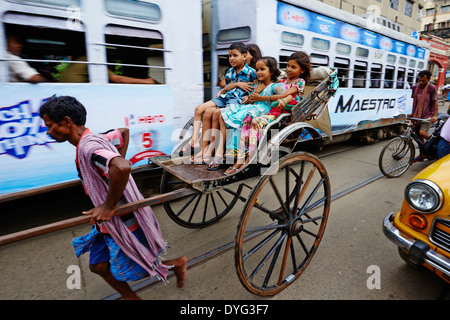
396	157
282	224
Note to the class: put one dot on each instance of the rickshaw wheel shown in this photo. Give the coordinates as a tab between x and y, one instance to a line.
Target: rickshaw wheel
396	157
200	209
282	224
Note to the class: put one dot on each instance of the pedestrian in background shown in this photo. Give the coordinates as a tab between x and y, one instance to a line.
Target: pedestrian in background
425	106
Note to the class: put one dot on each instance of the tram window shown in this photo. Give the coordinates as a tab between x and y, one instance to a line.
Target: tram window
234	34
412	63
401	73
136	9
59	3
320	44
140	52
292	39
342	66
389	77
55	46
282	61
376	75
224	65
402	60
391	58
319	59
359	74
362	52
343	48
420	65
410	79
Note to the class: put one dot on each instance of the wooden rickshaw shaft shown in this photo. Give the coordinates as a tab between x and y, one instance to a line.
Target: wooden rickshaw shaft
48	228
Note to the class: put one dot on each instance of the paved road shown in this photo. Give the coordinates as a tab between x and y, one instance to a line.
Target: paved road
37	268
354	244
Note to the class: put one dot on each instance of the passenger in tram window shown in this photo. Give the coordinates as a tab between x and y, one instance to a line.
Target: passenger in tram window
122	248
298	73
19	70
400	82
425	106
79	73
239	82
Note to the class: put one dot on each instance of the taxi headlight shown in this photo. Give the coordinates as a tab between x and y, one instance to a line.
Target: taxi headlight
424	196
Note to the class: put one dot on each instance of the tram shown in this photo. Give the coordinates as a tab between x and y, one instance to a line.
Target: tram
133	39
376	65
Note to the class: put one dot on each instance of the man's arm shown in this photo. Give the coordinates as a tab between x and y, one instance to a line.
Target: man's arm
435	112
124	79
119	173
22	70
37	78
125	132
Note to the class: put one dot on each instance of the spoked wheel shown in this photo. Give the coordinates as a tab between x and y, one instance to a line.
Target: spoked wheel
282	224
396	157
200	209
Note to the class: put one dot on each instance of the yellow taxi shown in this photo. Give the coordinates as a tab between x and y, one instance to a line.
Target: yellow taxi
421	229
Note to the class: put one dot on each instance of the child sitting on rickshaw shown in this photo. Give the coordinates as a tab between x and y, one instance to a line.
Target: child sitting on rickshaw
298	73
234	115
239	79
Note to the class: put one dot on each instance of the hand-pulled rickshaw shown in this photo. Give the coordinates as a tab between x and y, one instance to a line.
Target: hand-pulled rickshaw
284	217
285	214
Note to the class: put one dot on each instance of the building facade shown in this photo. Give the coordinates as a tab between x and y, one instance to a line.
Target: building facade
436	30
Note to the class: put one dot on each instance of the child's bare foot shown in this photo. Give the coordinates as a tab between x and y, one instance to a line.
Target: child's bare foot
190	146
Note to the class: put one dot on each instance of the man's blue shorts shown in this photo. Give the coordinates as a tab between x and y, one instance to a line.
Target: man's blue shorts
99	251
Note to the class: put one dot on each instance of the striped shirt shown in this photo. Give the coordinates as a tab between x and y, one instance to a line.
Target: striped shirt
247	74
101	159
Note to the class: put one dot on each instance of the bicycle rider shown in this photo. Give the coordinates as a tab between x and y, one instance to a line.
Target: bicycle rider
425	106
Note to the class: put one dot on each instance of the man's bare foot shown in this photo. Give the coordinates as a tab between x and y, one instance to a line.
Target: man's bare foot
131	297
179	269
